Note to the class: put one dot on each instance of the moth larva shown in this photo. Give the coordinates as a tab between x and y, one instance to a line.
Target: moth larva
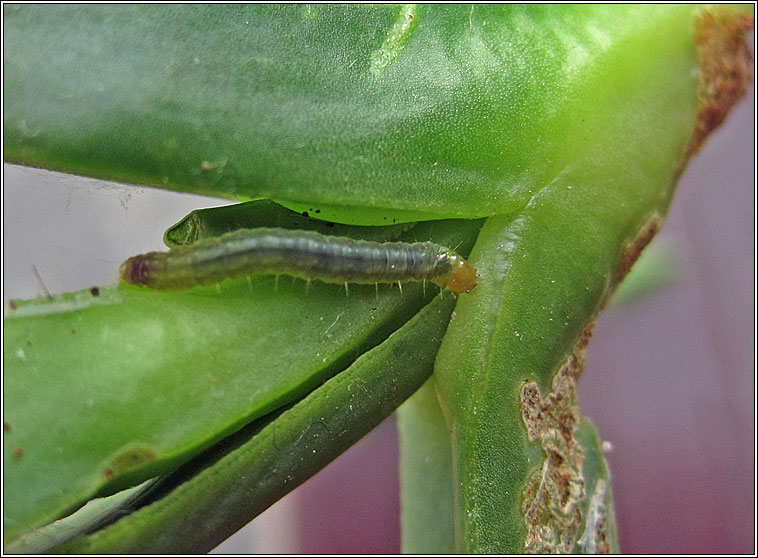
303	254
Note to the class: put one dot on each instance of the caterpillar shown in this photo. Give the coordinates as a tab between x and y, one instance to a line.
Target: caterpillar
303	254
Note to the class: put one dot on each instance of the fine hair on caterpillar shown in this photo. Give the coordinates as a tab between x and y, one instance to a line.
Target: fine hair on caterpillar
302	254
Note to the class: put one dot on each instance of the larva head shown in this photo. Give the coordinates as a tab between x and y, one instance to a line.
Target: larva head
462	275
138	270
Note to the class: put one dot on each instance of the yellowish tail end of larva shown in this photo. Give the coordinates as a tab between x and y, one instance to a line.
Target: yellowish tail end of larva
462	278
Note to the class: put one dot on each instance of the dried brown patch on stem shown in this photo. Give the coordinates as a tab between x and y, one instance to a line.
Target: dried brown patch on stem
577	359
632	251
555	492
725	69
637	245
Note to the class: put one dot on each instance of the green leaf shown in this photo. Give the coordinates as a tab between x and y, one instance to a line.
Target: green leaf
202	503
566	126
372	114
215	221
133	382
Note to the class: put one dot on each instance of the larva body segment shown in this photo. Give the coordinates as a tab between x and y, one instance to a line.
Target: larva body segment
303	254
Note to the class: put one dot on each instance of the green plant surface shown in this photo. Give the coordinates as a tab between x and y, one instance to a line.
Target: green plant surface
185	369
371	114
566	126
661	264
426	476
258	465
521	335
215	221
598	532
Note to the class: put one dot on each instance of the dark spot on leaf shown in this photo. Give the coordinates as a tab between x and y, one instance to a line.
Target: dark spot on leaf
17	452
130	459
95	291
12	304
305	214
6	426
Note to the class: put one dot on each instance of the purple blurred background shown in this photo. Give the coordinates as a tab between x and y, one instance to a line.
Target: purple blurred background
670	380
